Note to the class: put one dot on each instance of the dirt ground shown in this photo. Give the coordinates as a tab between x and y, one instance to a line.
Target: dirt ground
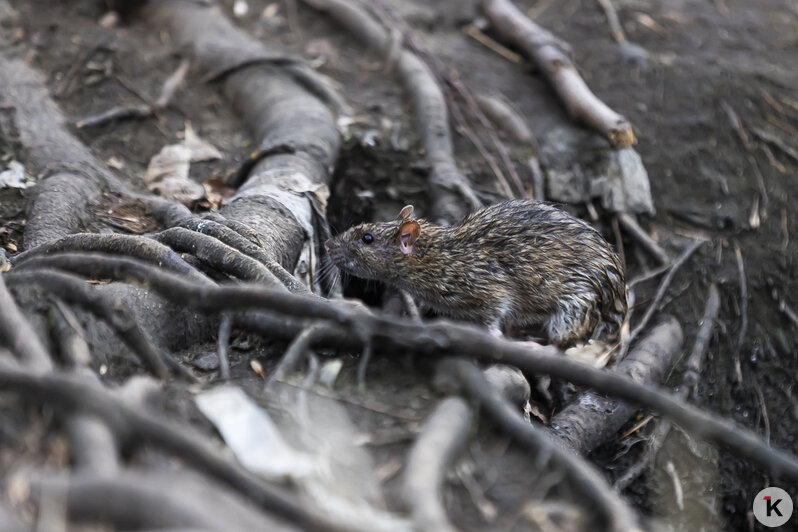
706	62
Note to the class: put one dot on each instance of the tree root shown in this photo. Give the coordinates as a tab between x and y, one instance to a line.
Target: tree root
444	434
218	255
274	200
449	188
591	419
74	290
73	176
135	427
138	247
440	338
17	334
689	382
552	56
299	348
614	511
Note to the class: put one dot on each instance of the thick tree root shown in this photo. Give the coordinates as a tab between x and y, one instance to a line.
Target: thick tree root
444	434
74	290
135	427
435	339
613	510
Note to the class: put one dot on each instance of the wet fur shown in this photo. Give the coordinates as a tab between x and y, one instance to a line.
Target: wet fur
515	263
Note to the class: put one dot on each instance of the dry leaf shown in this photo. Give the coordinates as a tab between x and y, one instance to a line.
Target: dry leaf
14	176
167	174
217	192
201	150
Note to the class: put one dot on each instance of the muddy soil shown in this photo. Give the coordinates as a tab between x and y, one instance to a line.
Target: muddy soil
706	62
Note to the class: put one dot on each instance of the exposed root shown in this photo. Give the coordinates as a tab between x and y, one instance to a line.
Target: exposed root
18	335
444	434
299	348
592	419
136	427
139	247
689	382
218	255
74	290
439	338
613	510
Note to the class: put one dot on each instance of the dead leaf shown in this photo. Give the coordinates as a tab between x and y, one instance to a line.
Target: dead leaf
167	174
217	192
14	176
201	150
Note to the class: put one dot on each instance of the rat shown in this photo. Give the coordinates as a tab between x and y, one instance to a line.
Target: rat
513	264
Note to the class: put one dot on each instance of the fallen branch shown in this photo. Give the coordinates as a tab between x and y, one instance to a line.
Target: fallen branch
437	338
614	511
552	56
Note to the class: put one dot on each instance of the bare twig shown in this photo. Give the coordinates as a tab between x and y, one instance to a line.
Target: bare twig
612	19
479	36
633	228
743	312
551	55
663	288
225	327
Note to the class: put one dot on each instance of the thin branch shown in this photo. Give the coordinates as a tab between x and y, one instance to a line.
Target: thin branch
663	288
635	231
299	349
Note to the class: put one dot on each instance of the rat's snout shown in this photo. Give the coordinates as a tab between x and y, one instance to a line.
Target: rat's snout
328	244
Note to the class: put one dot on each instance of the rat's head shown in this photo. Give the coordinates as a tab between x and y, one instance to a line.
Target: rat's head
375	250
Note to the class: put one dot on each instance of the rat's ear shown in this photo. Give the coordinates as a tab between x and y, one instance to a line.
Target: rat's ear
405	213
408	234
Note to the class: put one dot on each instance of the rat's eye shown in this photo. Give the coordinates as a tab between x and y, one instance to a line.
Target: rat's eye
368	238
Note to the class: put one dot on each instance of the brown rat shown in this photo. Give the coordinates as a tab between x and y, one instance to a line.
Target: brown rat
515	263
